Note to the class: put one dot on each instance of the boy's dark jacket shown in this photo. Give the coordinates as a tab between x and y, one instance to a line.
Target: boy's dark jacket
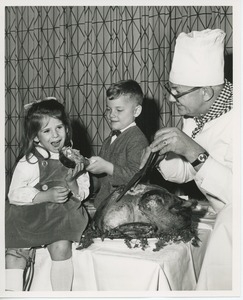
125	154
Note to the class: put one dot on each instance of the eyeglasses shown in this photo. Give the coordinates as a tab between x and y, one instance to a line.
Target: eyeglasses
178	95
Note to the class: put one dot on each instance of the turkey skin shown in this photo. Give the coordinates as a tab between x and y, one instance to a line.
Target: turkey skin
146	204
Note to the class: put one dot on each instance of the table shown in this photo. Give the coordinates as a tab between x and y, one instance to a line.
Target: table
112	266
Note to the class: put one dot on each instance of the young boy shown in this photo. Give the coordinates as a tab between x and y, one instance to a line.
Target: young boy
120	154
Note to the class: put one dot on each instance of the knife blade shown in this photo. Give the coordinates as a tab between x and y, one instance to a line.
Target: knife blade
140	174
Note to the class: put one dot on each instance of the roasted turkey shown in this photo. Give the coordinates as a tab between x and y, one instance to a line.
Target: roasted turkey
145	211
140	211
148	204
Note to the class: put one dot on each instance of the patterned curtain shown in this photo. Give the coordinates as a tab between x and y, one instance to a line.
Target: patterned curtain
75	53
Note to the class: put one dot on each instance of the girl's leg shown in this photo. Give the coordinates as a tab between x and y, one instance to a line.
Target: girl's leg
15	263
62	265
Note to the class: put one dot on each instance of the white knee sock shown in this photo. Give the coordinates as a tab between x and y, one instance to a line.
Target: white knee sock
14	279
62	275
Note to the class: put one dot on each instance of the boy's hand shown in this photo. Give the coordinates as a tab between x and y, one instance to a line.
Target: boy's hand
57	194
99	165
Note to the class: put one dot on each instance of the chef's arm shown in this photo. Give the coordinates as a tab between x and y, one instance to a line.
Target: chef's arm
215	180
176	169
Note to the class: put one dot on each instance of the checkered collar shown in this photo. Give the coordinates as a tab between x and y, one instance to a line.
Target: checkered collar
222	105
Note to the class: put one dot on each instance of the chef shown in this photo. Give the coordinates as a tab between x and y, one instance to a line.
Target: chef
202	151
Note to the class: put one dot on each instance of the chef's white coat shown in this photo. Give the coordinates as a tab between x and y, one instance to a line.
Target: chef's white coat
215	181
214	178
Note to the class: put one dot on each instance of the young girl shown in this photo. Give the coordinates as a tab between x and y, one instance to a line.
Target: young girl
44	206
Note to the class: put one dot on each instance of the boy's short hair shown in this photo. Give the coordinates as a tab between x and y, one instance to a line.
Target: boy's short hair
126	87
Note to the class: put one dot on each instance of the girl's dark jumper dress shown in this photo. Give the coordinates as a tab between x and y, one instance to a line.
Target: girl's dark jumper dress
42	224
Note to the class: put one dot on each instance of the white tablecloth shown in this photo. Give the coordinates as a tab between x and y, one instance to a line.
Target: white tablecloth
112	266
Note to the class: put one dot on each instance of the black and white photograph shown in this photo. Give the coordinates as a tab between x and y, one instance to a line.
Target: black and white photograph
120	149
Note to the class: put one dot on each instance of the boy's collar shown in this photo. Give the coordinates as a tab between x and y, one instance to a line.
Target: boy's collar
132	124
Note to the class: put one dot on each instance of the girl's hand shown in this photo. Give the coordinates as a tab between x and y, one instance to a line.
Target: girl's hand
72	184
57	194
73	174
99	165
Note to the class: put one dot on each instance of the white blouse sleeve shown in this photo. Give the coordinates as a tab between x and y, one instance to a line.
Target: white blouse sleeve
25	177
83	184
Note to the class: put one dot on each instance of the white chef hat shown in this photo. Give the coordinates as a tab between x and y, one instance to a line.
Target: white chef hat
199	58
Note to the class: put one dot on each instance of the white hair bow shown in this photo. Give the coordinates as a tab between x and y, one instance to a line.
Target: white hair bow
28	105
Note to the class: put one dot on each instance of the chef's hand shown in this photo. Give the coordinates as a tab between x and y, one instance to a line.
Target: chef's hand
145	155
172	139
99	165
